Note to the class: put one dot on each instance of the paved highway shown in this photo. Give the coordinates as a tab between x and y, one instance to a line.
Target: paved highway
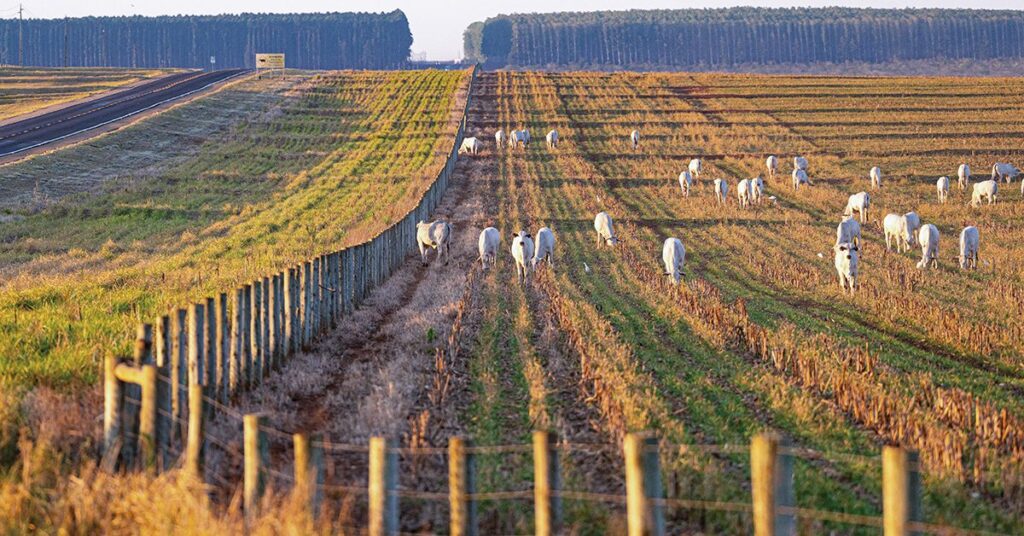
70	120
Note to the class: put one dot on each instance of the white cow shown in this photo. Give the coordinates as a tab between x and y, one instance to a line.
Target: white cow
721	191
900	230
522	252
1007	172
756	190
985	189
848	231
695	167
800	178
500	138
963	174
969	248
545	247
685	182
469	145
526	135
437	235
552	139
519	138
605	229
490	239
846	266
800	162
928	237
876	177
772	163
942	188
634	138
673	254
859	203
743	193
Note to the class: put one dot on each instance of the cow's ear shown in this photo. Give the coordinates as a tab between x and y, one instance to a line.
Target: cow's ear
855	248
842	248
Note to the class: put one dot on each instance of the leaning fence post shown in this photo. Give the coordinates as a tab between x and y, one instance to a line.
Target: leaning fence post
547	506
771	475
901	491
256	458
461	484
643	485
308	473
113	395
194	447
382	486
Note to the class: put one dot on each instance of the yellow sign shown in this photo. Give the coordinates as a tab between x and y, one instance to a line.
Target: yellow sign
270	61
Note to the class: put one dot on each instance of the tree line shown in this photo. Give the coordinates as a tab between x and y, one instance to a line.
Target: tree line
736	36
309	41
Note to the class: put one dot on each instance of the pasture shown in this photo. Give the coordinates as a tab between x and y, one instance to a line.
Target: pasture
29	89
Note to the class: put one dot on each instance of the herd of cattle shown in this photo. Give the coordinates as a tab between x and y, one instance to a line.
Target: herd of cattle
904	231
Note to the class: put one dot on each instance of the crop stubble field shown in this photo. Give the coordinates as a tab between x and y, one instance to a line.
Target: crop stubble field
26	90
759	336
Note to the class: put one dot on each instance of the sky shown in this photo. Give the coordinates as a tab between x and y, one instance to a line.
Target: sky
437	25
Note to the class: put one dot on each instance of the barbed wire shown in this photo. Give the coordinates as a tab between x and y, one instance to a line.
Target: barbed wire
344	489
588	496
807	453
839	517
703	448
328	446
697	504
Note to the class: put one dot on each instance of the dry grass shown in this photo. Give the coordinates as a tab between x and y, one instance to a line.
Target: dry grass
26	90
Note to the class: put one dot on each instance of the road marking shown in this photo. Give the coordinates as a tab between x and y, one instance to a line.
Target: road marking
136	112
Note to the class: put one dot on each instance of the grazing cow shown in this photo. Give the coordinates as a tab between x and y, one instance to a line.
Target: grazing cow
634	138
848	231
695	168
985	189
490	238
772	163
1007	172
799	178
900	230
876	177
605	229
969	248
500	138
470	145
800	162
963	174
673	254
721	191
685	182
859	203
519	138
437	235
743	193
928	237
846	266
756	190
552	139
942	188
545	247
522	252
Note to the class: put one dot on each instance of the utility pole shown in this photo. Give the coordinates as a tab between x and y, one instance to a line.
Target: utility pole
65	42
21	54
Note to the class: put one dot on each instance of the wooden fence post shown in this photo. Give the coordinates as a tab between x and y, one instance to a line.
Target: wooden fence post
308	474
265	315
143	353
643	485
195	451
901	491
771	476
147	417
196	322
546	482
257	455
223	342
212	348
179	375
461	484
164	387
307	305
237	345
113	396
255	334
382	486
347	267
273	323
315	298
289	312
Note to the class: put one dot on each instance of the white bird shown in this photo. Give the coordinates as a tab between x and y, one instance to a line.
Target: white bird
821	255
586	268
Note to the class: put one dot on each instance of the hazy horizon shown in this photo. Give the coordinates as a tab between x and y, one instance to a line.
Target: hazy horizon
436	26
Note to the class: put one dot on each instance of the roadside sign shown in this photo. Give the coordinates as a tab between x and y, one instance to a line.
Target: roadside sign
213	59
270	61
